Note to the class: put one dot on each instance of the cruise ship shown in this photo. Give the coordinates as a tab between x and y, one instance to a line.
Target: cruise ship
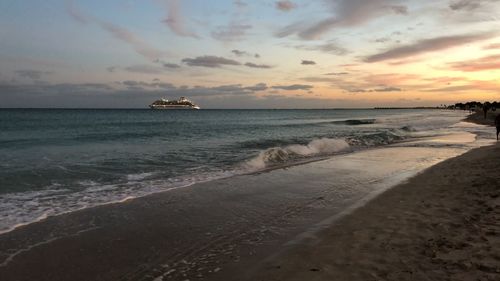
182	103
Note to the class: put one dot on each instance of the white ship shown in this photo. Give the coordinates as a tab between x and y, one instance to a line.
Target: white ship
182	103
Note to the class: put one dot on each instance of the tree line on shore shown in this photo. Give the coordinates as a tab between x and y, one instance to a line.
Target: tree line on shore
475	105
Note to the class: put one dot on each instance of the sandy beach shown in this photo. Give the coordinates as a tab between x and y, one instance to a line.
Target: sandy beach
305	222
478	117
441	225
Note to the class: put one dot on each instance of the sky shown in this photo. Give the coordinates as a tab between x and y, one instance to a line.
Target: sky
248	54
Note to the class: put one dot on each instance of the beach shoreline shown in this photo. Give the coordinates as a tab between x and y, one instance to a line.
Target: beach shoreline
218	230
440	225
478	118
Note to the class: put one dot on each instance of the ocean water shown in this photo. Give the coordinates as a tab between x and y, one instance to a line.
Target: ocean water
56	161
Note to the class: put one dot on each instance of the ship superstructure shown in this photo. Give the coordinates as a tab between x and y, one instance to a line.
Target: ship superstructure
182	103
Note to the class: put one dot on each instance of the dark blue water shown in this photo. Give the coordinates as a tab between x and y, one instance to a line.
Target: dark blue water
61	160
44	147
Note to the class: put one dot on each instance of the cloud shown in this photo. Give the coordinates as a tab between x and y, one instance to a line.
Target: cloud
289	29
222	90
329	47
485	63
75	13
241	53
405	61
355	90
127	87
400	9
209	61
231	32
285	5
316	79
293	87
370	83
32	74
493	46
253	65
170	65
474	86
308	62
360	90
318	29
339	83
240	4
120	33
473	11
345	13
382	40
111	68
140	85
452	89
234	89
426	46
388	89
337	73
137	43
144	68
355	12
175	20
465	5
257	87
391	78
60	89
446	79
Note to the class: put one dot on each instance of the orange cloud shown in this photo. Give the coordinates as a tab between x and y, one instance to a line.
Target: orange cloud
485	63
391	78
493	46
427	45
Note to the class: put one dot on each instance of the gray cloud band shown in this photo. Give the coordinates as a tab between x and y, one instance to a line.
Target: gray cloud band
428	45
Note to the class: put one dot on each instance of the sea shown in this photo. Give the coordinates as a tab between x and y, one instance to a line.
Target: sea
55	161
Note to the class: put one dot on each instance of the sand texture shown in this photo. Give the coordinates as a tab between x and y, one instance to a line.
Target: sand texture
478	117
443	224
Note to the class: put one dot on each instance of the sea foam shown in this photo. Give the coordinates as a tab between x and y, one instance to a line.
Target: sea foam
277	155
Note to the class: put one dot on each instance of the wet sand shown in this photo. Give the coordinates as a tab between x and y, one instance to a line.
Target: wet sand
441	225
478	117
219	229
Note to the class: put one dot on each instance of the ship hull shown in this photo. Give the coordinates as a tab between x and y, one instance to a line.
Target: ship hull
173	107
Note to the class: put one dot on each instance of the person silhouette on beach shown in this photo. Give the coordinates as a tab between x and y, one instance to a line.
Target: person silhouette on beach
497	124
485	110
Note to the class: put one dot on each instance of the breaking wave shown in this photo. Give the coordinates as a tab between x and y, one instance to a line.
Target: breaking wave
378	138
355	122
279	155
290	153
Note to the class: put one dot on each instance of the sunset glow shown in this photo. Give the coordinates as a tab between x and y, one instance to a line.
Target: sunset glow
249	54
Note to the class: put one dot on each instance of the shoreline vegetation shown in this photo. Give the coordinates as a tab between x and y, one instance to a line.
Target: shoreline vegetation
481	113
417	107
